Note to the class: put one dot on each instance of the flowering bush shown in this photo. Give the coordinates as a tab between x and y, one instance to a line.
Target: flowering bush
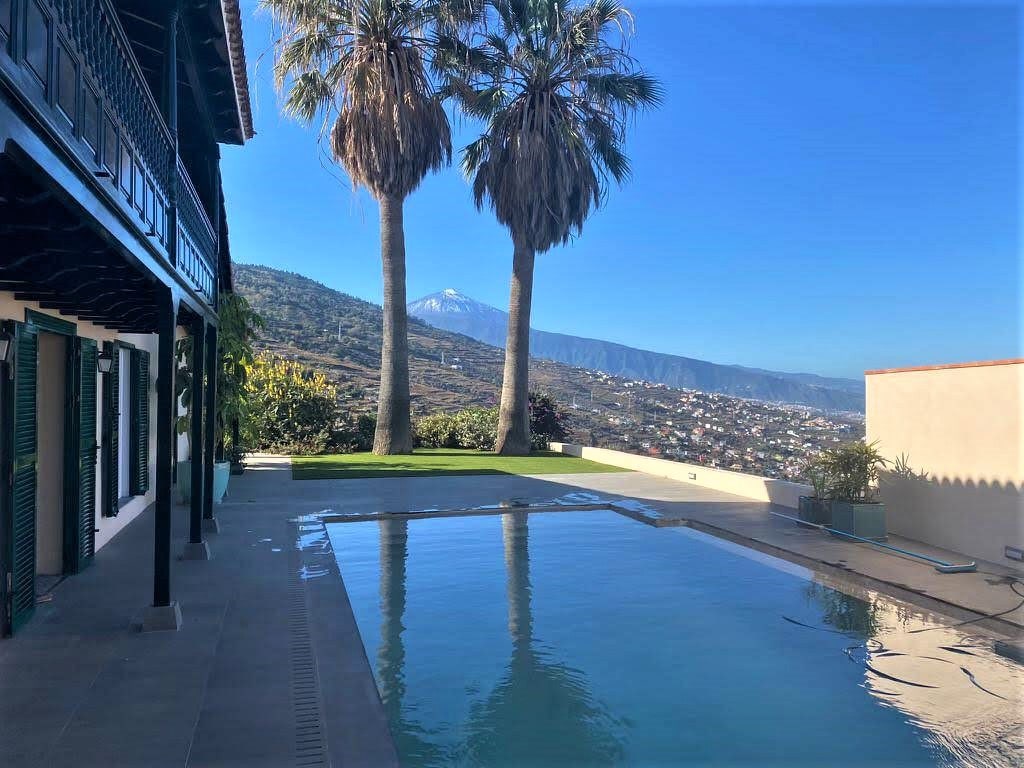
547	422
289	408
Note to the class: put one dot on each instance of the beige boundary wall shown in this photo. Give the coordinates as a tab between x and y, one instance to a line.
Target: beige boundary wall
106	527
962	425
753	487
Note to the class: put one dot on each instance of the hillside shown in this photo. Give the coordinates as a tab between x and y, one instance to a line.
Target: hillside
342	335
453	311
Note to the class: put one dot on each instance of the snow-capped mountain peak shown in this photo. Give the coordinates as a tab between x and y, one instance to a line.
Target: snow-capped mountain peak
447	302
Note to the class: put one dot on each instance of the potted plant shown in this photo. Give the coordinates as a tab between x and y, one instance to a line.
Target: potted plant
236	331
853	483
815	509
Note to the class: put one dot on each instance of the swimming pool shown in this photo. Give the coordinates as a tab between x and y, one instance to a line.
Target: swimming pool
587	638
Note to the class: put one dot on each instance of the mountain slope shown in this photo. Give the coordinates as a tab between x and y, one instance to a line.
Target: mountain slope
453	311
341	335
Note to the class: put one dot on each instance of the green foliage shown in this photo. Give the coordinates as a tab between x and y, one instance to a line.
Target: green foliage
901	468
853	471
548	422
289	408
555	87
477	428
437	431
238	329
819	473
366	428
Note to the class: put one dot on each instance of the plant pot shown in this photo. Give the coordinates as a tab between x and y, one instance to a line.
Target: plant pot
814	510
221	474
864	519
184	481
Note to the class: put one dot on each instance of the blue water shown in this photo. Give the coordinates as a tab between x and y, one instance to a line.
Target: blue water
587	638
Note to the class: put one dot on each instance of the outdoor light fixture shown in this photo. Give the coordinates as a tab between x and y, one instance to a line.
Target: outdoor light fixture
6	344
104	360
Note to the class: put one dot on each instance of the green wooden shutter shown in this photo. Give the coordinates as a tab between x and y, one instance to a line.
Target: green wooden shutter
139	457
23	476
108	456
85	532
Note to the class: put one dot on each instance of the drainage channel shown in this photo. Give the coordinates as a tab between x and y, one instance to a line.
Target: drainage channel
310	741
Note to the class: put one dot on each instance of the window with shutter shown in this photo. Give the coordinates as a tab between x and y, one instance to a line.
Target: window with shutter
23	475
85	529
139	456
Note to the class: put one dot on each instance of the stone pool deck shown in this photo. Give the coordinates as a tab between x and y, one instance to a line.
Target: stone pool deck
268	668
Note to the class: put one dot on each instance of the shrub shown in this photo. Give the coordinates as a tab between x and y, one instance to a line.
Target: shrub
366	428
476	428
438	430
288	408
547	421
853	471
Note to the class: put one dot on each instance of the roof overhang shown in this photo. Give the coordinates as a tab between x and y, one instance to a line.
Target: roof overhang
235	49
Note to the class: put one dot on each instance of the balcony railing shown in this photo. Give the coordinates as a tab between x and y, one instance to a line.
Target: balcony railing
71	63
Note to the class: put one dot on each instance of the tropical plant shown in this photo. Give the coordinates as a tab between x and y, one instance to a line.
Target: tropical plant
853	472
289	408
555	86
239	326
818	471
547	422
902	469
363	66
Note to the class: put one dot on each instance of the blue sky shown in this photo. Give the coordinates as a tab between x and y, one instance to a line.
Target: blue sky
828	187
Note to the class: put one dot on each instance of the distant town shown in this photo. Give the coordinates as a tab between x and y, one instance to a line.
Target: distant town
714	430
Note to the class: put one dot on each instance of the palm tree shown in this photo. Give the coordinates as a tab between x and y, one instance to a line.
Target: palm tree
555	86
364	65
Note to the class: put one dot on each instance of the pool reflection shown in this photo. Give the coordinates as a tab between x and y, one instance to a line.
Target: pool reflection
540	711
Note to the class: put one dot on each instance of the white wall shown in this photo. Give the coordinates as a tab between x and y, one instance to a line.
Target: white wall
780	492
962	425
107	527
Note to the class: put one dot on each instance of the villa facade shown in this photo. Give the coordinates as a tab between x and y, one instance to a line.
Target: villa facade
113	244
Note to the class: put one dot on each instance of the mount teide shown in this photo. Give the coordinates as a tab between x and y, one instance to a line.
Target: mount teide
454	311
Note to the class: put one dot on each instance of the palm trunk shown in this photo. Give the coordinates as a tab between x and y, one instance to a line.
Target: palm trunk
514	416
394	427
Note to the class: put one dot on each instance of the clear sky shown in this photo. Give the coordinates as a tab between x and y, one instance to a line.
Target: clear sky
828	187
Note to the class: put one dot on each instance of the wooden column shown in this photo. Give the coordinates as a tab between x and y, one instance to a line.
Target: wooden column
165	413
163	614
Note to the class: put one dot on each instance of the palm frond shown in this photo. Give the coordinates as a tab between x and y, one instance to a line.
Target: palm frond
364	66
555	86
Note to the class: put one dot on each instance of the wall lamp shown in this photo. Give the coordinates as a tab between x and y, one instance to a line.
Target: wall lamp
6	345
104	360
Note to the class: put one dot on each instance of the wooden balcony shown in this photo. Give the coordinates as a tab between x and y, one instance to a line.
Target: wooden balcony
71	69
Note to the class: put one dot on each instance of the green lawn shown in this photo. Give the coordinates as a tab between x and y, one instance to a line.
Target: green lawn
426	462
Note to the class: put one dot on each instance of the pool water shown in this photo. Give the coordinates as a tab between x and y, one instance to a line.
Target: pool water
587	638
